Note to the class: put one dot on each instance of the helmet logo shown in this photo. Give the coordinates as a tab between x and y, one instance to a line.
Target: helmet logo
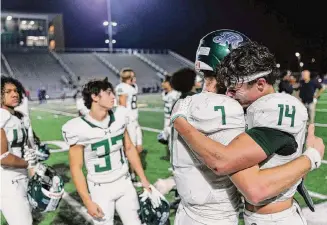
228	38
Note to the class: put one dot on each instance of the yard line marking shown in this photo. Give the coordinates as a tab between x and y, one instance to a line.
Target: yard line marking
321	110
320	125
317	195
324	161
77	207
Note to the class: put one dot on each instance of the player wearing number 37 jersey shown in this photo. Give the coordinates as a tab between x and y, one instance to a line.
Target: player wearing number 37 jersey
101	138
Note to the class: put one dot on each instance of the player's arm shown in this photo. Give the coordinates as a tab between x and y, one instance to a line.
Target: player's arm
122	100
76	165
8	159
257	185
134	159
243	152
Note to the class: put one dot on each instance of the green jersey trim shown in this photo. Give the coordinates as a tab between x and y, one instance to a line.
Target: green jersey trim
273	141
112	119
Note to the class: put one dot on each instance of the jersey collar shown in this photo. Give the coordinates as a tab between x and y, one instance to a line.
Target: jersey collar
111	120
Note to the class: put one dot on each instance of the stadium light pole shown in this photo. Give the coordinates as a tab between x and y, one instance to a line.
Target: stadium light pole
109	25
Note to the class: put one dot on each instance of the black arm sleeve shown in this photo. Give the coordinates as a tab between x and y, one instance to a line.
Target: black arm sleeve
273	141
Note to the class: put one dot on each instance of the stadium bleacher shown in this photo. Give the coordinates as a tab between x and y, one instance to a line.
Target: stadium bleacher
36	70
49	70
87	66
165	61
144	73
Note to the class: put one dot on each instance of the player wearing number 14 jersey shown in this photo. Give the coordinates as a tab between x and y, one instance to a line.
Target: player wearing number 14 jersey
102	139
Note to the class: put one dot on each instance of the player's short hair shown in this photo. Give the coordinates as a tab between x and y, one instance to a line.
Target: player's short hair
167	79
94	87
247	60
126	74
183	80
9	80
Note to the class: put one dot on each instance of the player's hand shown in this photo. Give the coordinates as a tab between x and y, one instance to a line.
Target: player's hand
315	142
146	185
94	210
30	157
181	109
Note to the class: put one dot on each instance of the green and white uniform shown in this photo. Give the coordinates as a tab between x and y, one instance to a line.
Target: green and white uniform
134	129
277	122
205	197
107	168
14	180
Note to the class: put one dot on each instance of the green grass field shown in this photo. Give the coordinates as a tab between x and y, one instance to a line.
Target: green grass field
48	127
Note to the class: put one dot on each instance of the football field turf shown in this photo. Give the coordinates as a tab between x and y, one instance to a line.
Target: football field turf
48	119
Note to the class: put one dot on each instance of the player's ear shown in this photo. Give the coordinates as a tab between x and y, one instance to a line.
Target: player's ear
261	84
95	98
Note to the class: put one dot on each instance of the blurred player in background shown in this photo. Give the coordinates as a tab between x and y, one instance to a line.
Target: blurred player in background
127	92
169	96
308	93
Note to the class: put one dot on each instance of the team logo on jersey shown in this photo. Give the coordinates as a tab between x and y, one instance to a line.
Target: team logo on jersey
228	38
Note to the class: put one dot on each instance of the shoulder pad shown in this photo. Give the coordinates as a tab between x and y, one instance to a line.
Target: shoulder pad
211	112
277	111
72	131
5	117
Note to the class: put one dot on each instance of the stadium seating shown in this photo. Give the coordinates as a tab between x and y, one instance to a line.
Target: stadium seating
144	73
87	66
41	69
166	61
36	70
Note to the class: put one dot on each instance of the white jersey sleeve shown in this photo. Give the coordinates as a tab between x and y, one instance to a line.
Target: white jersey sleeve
72	133
5	117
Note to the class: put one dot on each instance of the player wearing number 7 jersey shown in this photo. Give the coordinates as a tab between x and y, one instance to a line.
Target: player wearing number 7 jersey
266	162
101	138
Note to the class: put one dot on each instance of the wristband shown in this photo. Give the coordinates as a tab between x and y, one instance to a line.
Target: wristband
314	157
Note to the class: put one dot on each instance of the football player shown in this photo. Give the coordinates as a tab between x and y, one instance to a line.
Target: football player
102	139
275	136
205	197
169	96
16	156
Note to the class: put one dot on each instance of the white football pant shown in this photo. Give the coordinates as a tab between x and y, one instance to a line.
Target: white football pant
183	218
14	203
135	132
120	195
291	216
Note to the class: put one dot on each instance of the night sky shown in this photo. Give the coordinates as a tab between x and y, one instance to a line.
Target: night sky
284	26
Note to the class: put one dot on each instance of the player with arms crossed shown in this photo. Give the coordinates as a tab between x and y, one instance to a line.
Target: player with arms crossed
101	137
276	177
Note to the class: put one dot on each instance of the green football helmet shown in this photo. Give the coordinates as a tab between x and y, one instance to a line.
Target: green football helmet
153	216
42	152
45	189
215	46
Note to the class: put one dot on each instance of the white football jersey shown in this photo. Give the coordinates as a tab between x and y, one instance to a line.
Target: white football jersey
282	112
169	99
16	133
204	194
131	93
103	144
